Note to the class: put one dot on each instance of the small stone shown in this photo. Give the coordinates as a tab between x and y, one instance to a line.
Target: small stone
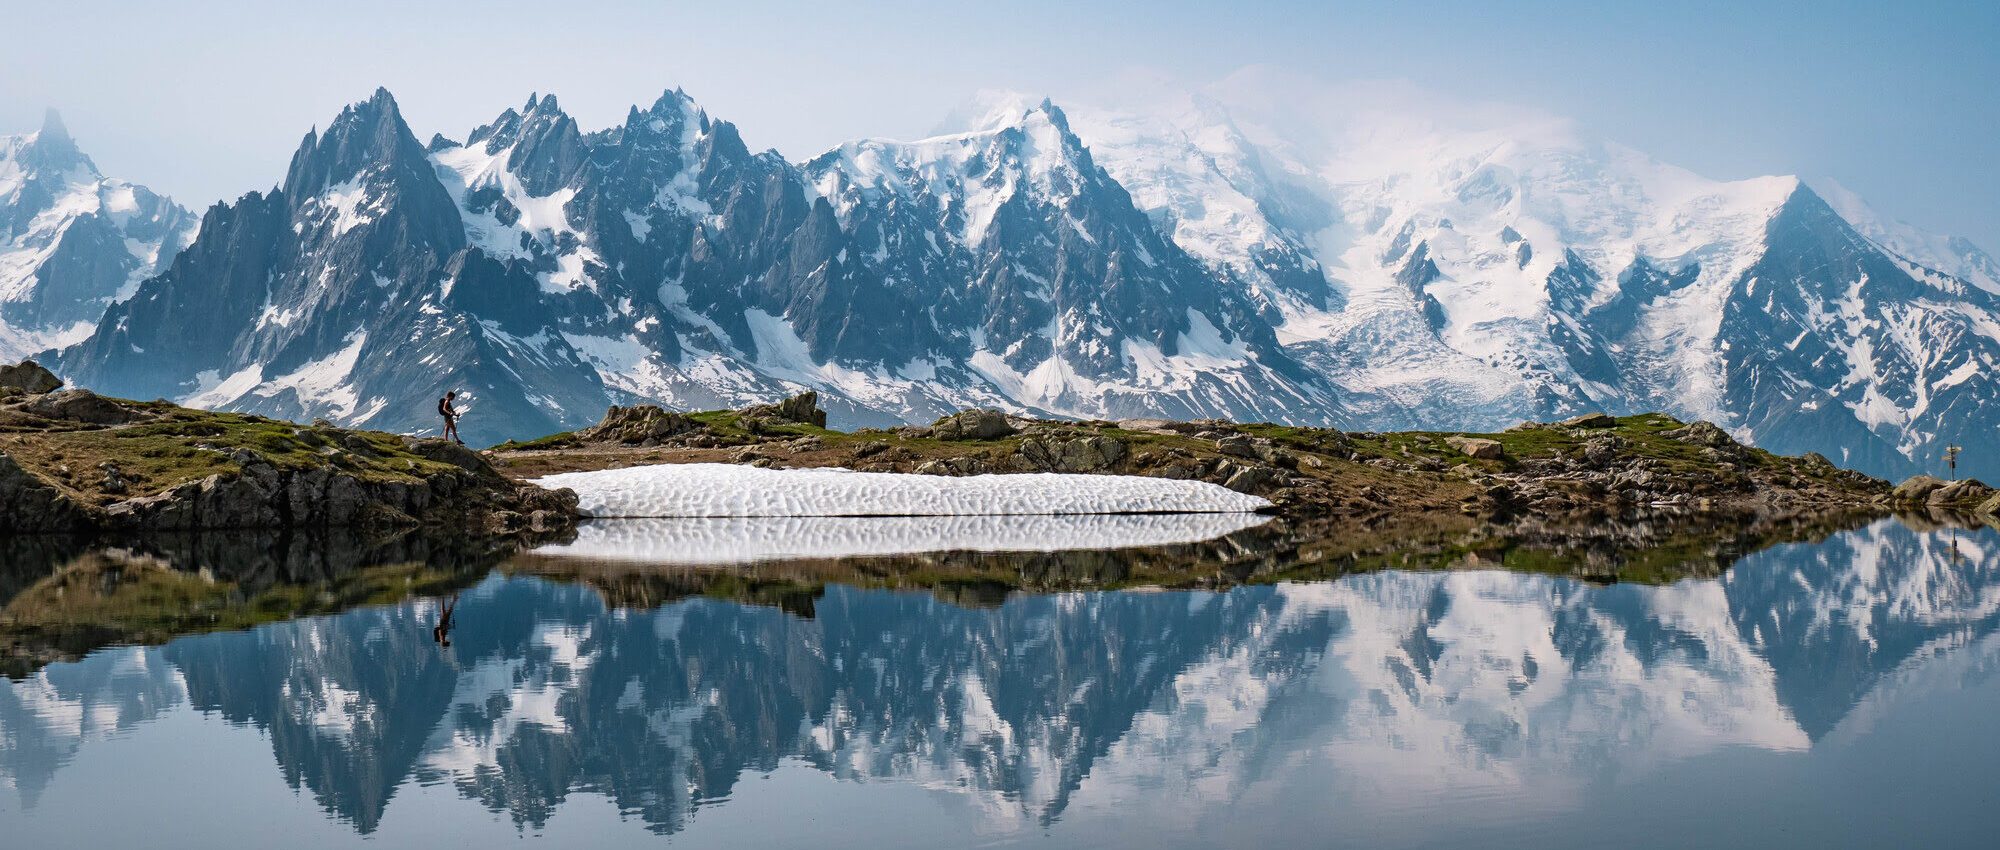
114	479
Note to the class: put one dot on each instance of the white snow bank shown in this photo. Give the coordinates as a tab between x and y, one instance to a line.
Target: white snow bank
725	490
743	540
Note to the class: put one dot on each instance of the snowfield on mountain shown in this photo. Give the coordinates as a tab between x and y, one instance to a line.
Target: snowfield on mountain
1233	254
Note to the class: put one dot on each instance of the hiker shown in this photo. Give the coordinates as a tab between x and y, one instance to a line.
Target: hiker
442	631
450	415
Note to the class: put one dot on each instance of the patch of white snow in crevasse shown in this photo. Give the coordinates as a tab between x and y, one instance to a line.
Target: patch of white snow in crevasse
727	490
212	390
323	382
1965	372
782	355
344	200
742	540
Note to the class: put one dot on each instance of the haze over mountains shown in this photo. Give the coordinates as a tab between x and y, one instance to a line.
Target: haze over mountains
1227	254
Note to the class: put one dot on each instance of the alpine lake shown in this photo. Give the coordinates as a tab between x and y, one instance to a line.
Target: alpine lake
1143	681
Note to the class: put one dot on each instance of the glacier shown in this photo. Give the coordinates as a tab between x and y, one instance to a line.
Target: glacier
730	490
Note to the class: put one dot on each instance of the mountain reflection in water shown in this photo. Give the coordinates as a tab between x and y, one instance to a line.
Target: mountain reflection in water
1411	692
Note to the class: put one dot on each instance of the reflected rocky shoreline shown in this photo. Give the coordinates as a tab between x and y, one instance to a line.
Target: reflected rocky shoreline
63	596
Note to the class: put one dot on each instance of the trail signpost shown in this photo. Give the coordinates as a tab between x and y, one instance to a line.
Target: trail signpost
1951	460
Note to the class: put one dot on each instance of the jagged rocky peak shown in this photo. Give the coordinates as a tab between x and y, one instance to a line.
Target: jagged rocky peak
53	146
366	136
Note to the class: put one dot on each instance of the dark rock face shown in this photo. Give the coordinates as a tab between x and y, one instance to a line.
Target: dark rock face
1085	454
29	377
28	504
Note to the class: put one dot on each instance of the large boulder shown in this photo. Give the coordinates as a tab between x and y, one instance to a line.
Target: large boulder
802	408
29	377
1477	447
1917	489
82	406
1990	508
1964	492
973	425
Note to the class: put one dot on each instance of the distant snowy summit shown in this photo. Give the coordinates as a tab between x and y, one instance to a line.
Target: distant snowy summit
1233	254
72	241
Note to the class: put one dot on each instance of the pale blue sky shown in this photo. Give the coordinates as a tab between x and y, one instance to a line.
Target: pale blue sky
203	100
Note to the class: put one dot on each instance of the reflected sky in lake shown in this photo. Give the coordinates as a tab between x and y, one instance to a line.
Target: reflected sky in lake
1838	693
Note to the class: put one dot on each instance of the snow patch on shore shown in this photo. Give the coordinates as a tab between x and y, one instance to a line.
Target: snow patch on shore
744	540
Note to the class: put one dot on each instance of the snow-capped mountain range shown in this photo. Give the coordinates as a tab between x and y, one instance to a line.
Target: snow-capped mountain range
72	241
1227	254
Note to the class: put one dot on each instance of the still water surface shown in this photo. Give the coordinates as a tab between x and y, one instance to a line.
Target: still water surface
1839	693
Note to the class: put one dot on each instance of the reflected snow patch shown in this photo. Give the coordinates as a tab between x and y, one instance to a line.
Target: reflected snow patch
742	540
727	490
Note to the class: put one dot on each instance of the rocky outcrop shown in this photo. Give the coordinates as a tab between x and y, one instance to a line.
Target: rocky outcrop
196	470
30	505
639	425
1076	454
81	406
1705	433
263	495
973	425
802	409
1916	490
